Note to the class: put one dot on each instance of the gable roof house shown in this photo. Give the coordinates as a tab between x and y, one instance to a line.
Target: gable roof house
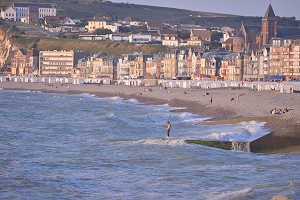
202	34
68	22
51	20
8	13
154	26
101	23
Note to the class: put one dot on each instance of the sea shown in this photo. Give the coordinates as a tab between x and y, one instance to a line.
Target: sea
59	146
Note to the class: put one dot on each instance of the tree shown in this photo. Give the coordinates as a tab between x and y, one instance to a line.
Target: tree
216	36
134	18
124	29
183	34
102	31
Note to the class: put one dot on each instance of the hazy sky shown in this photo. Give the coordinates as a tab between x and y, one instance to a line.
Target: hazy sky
283	8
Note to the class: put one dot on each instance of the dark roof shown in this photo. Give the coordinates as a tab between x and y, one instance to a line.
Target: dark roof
201	33
155	24
239	34
40	5
253	30
229	41
167	31
269	13
23	51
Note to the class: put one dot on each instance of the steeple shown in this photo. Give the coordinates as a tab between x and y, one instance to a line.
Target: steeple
269	26
269	13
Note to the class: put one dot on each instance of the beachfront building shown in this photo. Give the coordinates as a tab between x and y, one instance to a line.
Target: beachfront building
284	59
183	65
232	67
171	64
98	65
58	63
24	62
8	14
194	63
125	63
210	64
23	10
154	66
138	69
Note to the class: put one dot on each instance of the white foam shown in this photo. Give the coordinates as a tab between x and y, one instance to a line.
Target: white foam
116	98
244	132
164	142
134	101
88	95
228	194
177	108
167	141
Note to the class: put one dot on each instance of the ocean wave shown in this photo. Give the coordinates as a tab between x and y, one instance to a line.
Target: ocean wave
243	132
166	141
163	141
177	108
134	101
88	95
228	194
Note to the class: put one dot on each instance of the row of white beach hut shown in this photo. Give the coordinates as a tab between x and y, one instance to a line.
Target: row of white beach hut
283	87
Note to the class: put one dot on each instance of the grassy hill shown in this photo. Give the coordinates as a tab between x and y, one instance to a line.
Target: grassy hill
91	8
84	9
108	47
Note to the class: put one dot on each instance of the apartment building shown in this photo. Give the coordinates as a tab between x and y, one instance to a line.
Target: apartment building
24	62
58	63
285	59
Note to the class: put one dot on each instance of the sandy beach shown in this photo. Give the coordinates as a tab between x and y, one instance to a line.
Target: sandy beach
229	105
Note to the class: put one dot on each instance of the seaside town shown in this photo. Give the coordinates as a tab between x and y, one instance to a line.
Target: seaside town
252	53
166	109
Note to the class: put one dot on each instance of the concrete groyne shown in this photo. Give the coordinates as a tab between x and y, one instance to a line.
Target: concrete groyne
284	140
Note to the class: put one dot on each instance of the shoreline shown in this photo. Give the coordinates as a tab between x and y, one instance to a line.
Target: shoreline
247	106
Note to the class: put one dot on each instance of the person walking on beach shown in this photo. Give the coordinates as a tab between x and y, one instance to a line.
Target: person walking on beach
210	100
168	128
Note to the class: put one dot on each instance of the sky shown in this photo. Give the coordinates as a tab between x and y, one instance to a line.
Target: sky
282	8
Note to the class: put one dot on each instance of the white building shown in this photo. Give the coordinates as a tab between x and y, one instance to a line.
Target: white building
93	37
140	38
8	14
101	24
136	23
170	40
45	9
118	37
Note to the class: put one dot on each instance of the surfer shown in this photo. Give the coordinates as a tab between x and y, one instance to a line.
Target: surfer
168	128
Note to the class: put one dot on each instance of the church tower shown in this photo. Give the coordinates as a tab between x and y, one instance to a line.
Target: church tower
269	26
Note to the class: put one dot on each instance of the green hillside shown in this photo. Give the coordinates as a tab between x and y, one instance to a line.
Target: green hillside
91	8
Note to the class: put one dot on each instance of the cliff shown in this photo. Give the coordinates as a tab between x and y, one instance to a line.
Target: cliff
7	46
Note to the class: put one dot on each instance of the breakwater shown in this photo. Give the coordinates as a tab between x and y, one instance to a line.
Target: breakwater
284	140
